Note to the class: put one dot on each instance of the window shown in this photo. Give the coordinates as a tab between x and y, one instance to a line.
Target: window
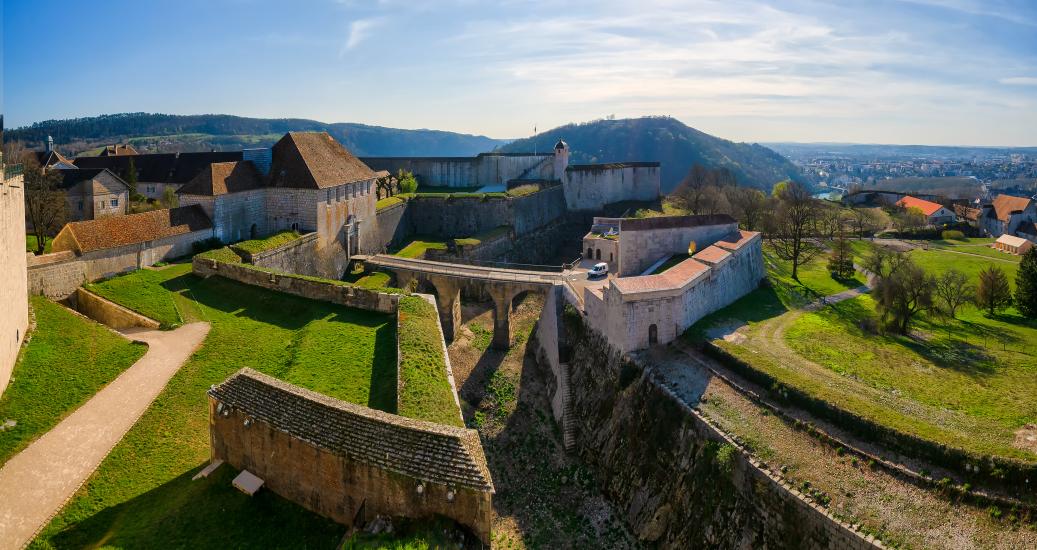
653	334
80	206
115	203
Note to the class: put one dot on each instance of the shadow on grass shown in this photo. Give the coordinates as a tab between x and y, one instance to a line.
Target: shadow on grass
382	395
208	513
759	305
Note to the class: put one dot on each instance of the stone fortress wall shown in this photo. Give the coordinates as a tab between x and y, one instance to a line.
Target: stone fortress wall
643	242
592	186
481	170
14	317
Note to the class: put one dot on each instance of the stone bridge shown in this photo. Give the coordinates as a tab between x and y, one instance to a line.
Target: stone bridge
503	285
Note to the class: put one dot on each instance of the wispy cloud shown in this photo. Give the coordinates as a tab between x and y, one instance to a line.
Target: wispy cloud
1020	81
359	31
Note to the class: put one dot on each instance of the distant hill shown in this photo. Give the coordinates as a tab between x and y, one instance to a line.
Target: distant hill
668	141
170	133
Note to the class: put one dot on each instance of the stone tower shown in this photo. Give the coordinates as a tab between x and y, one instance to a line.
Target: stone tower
561	159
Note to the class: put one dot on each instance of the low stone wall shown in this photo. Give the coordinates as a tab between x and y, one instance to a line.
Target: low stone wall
298	256
56	277
682	494
314	288
109	313
368	463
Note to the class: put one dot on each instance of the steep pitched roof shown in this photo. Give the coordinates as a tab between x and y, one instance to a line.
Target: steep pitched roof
220	178
927	207
1004	205
117	150
176	168
50	158
116	231
314	160
415	448
72	177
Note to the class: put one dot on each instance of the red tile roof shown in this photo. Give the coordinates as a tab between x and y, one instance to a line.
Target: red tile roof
314	160
711	255
737	240
928	208
220	178
671	279
117	150
116	231
1004	205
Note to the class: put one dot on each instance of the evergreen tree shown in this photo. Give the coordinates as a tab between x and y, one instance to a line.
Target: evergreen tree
840	262
1026	284
993	293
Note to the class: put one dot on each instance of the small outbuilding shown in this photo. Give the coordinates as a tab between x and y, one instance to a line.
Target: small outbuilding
1012	245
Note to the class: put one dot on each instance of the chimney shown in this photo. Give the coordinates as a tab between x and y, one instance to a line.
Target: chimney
50	144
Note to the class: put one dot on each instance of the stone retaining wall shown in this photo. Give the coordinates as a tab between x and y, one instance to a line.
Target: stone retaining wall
109	313
298	256
299	285
682	494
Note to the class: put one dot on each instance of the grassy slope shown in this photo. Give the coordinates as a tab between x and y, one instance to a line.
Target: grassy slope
983	370
425	392
269	242
814	277
143	292
417	247
65	363
142	496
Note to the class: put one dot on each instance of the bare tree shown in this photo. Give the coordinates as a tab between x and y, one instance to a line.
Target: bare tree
790	225
748	205
883	261
953	291
902	294
45	204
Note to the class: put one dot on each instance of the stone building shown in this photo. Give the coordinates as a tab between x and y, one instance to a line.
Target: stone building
306	182
93	193
590	187
632	245
935	213
14	315
157	172
113	245
1007	214
347	462
635	312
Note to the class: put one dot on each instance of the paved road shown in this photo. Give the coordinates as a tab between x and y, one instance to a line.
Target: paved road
37	482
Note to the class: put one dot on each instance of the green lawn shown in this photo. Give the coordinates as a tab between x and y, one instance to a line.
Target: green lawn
975	379
31	243
814	277
254	246
143	292
417	247
388	201
979	247
142	496
672	261
66	362
425	392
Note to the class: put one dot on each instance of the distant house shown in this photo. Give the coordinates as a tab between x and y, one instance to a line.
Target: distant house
1007	214
53	159
1012	245
94	193
935	214
968	214
117	150
158	171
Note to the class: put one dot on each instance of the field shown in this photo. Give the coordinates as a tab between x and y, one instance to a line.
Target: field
347	353
66	362
969	383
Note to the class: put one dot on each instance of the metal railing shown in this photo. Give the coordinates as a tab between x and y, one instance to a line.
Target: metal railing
12	170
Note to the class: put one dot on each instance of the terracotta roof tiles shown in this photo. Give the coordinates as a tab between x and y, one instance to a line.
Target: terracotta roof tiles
220	178
927	207
314	160
116	231
1004	205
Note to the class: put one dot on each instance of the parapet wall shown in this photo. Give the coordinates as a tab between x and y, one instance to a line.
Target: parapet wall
298	285
484	169
682	494
298	256
591	187
14	317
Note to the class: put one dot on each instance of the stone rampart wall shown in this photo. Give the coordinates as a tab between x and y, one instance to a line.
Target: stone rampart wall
638	250
486	169
109	313
298	256
14	305
57	280
682	494
592	189
299	285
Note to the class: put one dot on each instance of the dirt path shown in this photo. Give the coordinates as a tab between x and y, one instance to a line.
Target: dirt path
37	482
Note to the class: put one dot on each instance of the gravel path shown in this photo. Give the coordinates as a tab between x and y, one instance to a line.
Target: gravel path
37	482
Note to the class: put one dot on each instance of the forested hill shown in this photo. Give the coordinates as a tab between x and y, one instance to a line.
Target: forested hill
668	141
170	133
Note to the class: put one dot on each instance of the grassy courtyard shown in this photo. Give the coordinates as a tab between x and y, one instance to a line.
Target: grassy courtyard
142	495
66	362
418	247
969	383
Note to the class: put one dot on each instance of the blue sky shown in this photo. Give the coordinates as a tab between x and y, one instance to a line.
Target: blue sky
880	71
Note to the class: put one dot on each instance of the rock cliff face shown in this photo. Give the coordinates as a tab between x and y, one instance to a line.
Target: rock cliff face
679	482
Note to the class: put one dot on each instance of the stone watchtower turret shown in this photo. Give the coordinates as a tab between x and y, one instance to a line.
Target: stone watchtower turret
561	160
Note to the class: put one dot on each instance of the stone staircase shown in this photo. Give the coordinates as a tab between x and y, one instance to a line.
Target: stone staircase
525	174
568	423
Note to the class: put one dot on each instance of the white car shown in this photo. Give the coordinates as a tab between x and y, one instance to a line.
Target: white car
599	269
